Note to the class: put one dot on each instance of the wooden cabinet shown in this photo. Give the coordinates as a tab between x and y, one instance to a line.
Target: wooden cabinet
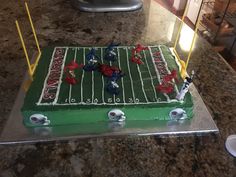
221	5
214	24
215	21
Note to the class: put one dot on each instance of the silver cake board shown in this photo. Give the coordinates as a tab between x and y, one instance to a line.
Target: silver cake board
15	132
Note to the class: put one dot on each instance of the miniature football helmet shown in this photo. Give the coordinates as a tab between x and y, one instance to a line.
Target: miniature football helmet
39	119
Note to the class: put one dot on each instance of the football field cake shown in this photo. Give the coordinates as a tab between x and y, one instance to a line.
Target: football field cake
87	85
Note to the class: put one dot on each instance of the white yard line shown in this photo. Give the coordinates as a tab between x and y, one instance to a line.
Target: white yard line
157	72
141	80
131	80
122	80
101	104
70	84
153	86
60	79
103	83
82	78
163	58
92	86
114	96
45	81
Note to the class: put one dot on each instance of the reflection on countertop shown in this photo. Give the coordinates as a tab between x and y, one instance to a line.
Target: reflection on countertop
57	22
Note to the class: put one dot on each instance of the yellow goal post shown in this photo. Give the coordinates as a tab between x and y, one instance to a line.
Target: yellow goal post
184	65
31	66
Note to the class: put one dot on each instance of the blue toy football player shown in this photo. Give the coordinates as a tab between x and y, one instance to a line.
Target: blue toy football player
116	75
110	54
113	87
92	61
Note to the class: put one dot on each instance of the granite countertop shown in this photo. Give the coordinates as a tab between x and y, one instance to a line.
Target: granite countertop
57	22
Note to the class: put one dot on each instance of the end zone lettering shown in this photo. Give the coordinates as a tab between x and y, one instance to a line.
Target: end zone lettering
53	77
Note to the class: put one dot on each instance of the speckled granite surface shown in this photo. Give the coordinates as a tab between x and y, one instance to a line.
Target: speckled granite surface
58	23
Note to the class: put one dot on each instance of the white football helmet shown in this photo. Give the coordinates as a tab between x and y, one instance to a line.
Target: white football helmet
39	119
116	115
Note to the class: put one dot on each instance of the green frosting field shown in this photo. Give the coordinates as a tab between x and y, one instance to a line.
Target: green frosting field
88	102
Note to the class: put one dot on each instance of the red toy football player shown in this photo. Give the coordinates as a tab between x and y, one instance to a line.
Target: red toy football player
167	85
136	54
107	70
139	48
171	76
70	72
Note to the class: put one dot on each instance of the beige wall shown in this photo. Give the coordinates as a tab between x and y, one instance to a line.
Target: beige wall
179	4
194	7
